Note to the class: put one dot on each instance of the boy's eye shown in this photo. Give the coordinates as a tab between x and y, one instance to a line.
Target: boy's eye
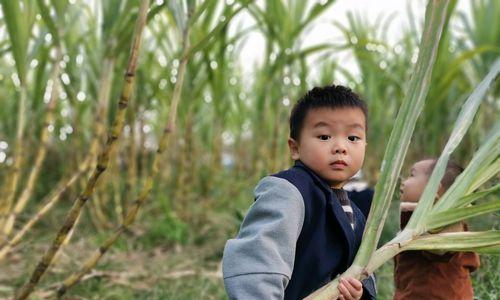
353	138
324	137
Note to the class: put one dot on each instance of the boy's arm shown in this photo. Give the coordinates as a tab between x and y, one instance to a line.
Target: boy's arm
258	263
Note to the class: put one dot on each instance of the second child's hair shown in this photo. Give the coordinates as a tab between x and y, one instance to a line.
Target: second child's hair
452	171
334	96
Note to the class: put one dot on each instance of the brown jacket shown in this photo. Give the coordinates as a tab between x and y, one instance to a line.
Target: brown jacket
424	275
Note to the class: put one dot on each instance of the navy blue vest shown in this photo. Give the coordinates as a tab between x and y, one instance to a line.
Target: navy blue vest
327	244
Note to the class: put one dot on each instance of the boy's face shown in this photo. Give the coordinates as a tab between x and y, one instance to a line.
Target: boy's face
332	143
412	187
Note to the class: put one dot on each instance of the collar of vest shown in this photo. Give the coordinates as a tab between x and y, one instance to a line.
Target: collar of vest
336	208
315	177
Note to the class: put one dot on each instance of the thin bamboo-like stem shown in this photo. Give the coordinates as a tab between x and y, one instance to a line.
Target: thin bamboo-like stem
101	110
42	149
114	190
99	129
131	181
148	185
97	213
49	201
66	240
18	30
63	185
102	163
12	182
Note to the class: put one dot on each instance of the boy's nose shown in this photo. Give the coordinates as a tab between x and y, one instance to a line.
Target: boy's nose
339	148
340	151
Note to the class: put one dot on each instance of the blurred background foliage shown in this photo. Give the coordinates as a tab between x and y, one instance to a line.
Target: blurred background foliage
231	129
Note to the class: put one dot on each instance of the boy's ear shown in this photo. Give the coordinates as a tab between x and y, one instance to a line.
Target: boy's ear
294	148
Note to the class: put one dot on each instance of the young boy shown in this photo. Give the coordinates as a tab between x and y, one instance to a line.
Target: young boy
431	275
302	231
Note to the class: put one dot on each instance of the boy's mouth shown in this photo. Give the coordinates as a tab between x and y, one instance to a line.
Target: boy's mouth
338	164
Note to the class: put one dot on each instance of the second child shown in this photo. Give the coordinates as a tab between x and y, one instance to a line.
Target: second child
432	275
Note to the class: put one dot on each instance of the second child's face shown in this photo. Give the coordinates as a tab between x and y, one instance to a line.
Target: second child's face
332	143
413	186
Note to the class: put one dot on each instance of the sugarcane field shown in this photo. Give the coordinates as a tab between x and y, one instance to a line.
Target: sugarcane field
249	149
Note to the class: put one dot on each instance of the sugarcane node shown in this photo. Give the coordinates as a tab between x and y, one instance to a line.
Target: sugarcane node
103	249
67	228
101	168
112	137
123	227
42	265
129	74
167	130
122	104
61	291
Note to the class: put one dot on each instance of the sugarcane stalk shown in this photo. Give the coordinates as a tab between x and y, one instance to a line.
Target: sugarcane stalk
96	212
117	201
50	200
42	150
182	174
63	185
66	240
12	181
102	163
101	110
148	185
131	181
99	129
18	31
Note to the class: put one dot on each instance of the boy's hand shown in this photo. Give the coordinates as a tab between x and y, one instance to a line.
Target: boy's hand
350	289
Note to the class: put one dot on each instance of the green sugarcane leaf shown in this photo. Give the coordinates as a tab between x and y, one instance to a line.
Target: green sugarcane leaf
452	216
59	6
18	33
493	250
40	80
51	25
475	196
178	13
464	120
456	241
204	41
486	154
314	12
403	129
484	175
199	11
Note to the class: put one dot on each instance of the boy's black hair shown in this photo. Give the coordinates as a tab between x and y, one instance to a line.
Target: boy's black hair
333	96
